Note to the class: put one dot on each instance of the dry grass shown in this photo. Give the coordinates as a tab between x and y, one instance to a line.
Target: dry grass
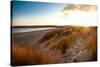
66	39
33	55
58	42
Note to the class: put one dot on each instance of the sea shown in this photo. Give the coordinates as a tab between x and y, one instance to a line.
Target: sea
19	30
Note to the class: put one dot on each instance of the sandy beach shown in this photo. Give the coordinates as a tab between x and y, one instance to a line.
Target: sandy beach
29	37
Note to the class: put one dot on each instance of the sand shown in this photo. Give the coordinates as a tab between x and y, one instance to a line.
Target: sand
29	37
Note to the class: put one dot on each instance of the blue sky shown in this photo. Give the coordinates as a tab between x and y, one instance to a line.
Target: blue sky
21	8
25	13
33	10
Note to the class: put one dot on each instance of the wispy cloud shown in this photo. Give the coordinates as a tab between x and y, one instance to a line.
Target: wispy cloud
79	7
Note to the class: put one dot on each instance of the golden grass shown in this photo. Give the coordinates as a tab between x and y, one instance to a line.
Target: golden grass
57	42
66	39
33	55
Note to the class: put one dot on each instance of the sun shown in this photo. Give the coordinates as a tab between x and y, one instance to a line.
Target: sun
78	18
75	18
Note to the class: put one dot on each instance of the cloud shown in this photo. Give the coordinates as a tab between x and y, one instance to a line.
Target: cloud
79	7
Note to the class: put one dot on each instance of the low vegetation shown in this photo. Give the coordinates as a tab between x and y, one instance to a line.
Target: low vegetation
33	55
73	44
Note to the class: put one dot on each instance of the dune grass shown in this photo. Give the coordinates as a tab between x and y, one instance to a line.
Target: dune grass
32	55
58	44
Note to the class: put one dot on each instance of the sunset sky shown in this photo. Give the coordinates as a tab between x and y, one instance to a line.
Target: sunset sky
41	13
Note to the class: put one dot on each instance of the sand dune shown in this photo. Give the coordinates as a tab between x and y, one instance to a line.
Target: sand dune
72	44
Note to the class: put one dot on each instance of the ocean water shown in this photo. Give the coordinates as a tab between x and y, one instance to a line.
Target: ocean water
19	30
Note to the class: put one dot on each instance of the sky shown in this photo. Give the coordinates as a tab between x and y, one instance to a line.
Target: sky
26	13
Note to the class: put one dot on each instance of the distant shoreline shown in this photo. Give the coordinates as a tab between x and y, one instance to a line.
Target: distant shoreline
48	26
37	26
20	29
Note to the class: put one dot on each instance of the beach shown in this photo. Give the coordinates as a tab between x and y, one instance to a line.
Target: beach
29	37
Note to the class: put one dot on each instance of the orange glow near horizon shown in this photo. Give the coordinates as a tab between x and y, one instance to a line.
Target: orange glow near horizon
67	17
